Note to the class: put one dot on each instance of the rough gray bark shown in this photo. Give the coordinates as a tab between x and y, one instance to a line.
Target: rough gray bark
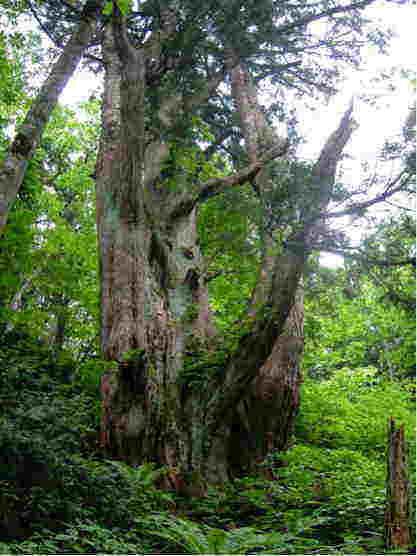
25	143
153	298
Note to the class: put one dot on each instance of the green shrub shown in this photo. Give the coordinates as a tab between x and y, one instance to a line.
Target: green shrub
51	473
351	410
81	537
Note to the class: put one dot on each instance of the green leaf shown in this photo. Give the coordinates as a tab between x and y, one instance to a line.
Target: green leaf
108	8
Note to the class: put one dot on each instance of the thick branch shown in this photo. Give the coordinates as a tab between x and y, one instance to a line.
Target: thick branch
127	52
217	185
203	95
255	347
268	323
158	152
257	133
325	167
177	104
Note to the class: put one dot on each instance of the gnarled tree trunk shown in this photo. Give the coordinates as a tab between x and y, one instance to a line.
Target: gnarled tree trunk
265	417
153	296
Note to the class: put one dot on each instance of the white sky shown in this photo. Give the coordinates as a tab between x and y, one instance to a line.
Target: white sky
377	123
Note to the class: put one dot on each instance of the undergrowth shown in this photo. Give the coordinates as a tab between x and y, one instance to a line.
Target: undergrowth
59	495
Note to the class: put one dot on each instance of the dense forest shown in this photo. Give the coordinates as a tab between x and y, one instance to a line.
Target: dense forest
180	371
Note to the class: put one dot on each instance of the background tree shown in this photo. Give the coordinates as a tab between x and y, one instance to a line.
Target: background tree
13	166
48	257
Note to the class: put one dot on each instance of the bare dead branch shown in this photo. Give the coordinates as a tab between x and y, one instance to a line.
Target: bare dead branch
395	186
284	29
217	185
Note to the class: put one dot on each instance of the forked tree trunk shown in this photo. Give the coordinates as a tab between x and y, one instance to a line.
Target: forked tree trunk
397	512
153	298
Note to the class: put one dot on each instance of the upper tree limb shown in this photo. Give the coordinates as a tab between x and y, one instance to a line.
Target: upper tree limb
201	192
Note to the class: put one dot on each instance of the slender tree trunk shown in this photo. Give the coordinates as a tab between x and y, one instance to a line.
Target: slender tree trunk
13	167
397	513
57	336
17	302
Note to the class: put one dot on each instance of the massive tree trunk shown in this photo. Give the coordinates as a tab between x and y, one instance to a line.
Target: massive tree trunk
25	143
153	296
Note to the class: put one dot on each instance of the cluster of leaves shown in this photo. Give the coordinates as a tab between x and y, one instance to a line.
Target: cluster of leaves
48	259
351	410
201	367
231	247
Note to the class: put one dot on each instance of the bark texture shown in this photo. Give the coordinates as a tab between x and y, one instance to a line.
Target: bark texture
26	141
397	513
153	299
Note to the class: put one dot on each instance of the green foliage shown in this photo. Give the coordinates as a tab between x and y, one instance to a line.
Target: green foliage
12	80
343	485
82	537
202	366
327	495
351	410
369	331
231	245
123	5
197	539
51	477
49	255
